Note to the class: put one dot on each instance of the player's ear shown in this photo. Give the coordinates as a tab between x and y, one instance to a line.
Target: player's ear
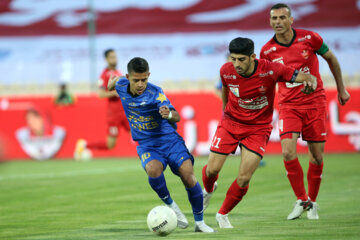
291	20
148	74
253	56
127	76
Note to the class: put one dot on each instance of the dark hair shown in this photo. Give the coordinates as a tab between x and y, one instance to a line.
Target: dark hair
242	46
138	65
281	5
108	51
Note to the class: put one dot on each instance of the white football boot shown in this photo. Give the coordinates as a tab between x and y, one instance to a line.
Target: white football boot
79	149
299	207
200	226
207	196
182	222
223	221
312	213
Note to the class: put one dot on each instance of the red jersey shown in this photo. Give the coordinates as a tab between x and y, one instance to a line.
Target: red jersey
251	99
114	103
300	54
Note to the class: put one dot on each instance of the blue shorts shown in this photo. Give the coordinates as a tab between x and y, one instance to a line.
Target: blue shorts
168	149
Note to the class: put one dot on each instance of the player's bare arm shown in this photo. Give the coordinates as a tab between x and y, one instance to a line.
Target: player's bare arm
309	81
112	82
107	94
172	115
224	95
343	95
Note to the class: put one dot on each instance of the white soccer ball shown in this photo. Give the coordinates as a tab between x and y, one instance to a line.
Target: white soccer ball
162	220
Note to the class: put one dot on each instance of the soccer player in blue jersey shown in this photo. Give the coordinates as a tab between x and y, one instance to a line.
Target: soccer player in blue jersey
152	120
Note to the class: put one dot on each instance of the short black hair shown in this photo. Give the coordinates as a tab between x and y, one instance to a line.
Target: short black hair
281	5
241	45
108	51
138	65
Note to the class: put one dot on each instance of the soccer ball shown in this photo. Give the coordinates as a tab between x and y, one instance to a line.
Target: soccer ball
162	220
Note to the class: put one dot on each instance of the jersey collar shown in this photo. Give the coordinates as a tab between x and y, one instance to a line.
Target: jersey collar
286	45
255	68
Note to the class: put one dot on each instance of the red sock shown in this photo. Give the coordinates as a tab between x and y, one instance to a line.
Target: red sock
233	197
296	177
97	145
208	182
314	176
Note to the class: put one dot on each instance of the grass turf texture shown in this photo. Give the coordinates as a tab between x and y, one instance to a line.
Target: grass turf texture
110	199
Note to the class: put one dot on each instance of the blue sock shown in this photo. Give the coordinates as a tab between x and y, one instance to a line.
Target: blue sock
196	199
159	186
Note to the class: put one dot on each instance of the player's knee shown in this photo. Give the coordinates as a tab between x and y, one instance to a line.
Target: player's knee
189	180
289	154
211	172
243	180
317	158
154	169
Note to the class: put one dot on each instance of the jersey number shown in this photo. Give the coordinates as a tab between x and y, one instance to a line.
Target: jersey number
216	141
145	156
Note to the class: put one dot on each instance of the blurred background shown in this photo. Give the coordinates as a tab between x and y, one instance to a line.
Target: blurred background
50	48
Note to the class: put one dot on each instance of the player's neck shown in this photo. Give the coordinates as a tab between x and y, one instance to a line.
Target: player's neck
111	67
286	37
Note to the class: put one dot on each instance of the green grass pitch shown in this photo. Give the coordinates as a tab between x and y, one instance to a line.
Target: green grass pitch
110	199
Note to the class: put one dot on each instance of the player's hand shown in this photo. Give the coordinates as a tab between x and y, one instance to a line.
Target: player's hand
164	112
112	81
343	97
309	85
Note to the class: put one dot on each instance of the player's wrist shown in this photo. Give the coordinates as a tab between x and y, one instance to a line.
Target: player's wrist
170	115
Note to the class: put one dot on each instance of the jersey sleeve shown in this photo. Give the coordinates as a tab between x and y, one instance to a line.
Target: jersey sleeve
162	100
284	73
103	81
262	54
318	44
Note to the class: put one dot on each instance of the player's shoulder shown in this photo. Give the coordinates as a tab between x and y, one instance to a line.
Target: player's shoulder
153	89
268	44
305	34
227	67
122	82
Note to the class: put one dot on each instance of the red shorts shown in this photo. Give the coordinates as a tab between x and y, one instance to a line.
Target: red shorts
230	134
115	122
311	123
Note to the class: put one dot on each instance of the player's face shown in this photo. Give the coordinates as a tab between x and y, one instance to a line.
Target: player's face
242	63
138	82
280	20
111	59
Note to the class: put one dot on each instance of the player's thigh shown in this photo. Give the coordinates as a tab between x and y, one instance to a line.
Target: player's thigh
249	162
316	152
152	161
177	154
315	125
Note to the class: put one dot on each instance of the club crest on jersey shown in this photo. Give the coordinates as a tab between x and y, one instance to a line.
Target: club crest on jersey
305	54
235	91
262	90
272	49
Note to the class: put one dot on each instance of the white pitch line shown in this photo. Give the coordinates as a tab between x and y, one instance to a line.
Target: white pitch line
70	173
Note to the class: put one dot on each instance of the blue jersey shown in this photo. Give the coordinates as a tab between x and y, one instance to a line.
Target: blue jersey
142	111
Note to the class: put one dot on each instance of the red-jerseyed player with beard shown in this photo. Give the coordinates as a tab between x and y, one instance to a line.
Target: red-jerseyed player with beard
248	96
115	115
300	113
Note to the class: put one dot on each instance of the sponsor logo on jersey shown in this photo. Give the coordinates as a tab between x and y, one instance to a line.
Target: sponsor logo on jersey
304	38
229	76
279	60
235	91
305	54
323	134
253	103
143	103
271	72
305	69
272	49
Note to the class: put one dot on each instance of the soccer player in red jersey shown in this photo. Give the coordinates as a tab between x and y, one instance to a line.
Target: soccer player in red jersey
248	95
116	118
300	113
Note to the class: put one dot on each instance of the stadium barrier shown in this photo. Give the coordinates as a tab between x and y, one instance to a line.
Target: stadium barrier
200	113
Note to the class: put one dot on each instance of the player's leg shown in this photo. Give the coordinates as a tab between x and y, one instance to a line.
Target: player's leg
249	162
315	133
290	125
314	175
195	196
111	141
223	144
